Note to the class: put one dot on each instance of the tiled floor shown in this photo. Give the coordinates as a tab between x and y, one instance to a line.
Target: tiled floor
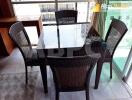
108	89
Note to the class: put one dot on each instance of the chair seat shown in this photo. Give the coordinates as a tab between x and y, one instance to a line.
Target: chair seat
34	58
98	47
105	52
31	57
106	55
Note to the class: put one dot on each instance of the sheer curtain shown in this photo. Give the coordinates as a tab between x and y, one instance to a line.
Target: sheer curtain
98	20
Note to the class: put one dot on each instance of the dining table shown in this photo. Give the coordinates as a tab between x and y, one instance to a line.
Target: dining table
81	46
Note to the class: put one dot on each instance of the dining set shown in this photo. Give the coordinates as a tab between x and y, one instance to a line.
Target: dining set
71	64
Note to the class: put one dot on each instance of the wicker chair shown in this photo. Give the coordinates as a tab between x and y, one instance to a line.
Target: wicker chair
19	35
65	17
114	35
31	56
72	74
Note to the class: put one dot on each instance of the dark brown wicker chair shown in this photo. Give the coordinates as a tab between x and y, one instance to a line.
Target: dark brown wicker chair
114	35
19	35
65	17
72	74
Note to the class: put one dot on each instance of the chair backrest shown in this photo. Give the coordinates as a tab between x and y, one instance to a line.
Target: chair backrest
71	73
19	35
115	33
66	16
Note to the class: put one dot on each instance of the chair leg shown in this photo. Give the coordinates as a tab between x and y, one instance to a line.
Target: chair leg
57	95
111	69
31	66
98	73
44	77
87	94
58	36
26	74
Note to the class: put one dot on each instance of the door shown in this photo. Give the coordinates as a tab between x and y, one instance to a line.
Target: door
127	72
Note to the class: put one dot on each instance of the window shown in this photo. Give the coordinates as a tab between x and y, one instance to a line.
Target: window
47	8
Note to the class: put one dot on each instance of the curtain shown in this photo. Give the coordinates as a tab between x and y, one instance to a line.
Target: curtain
100	17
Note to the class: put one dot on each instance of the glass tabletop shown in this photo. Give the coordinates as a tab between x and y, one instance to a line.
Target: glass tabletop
72	35
73	41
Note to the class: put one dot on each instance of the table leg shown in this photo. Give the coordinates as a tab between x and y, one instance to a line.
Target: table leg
39	26
58	36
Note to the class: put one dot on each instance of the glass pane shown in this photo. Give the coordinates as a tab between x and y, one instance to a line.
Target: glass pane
66	6
48	16
85	11
48	12
82	8
45	9
27	9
